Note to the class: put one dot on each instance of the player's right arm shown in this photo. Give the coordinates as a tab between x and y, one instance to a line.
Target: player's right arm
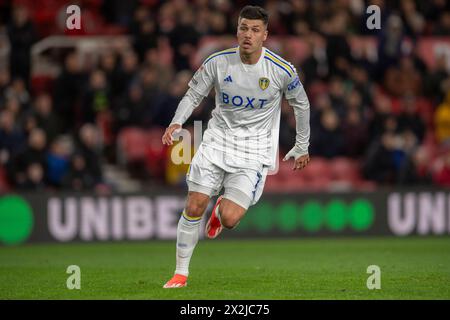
199	87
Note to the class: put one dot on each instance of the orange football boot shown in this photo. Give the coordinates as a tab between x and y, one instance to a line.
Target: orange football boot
214	226
177	281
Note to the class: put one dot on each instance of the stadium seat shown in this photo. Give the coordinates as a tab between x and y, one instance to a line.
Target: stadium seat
317	168
344	169
285	169
132	143
321	183
156	154
277	183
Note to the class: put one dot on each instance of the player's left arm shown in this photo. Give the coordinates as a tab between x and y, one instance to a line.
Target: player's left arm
297	98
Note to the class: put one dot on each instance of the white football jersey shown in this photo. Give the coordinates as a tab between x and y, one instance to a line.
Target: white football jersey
245	122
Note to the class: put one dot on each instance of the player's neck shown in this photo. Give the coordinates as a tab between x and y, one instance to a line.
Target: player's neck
251	58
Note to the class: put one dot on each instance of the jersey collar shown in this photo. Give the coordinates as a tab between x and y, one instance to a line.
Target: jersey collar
251	66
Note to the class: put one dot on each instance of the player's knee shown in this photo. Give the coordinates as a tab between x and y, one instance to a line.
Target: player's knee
230	222
195	208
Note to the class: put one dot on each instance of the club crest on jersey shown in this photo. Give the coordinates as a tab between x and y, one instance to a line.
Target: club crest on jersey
264	83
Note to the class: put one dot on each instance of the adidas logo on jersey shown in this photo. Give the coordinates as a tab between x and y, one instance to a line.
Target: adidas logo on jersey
228	79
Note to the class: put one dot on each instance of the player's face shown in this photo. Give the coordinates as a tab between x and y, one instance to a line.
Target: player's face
251	34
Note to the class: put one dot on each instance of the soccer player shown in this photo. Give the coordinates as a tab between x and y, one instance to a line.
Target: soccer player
241	142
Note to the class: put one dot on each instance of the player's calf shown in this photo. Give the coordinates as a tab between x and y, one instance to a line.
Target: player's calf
230	213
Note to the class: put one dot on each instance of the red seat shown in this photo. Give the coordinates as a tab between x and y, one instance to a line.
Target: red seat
273	183
285	169
319	184
316	169
133	144
156	154
344	169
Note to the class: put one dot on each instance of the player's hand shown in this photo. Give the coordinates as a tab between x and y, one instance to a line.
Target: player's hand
167	138
300	161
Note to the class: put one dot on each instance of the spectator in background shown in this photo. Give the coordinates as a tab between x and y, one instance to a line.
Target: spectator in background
45	118
34	152
168	103
88	148
321	103
4	82
96	98
402	79
67	92
410	120
327	140
146	94
130	110
145	38
315	65
57	162
337	96
379	165
300	13
433	11
183	39
119	11
353	101
442	121
433	80
79	178
203	19
406	144
165	73
415	169
411	78
109	65
443	26
17	90
140	14
12	138
127	72
389	45
413	20
337	49
29	123
21	35
361	83
34	178
388	156
382	112
13	105
217	23
355	134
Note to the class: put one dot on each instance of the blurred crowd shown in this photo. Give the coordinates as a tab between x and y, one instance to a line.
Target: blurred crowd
392	114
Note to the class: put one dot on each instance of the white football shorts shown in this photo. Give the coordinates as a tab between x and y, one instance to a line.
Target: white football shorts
212	169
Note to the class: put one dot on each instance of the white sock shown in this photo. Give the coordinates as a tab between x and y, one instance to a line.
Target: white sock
187	238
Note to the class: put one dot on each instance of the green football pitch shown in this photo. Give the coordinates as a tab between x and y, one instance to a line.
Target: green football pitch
334	268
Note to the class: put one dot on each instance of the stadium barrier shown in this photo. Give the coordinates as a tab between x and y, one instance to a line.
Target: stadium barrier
56	217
